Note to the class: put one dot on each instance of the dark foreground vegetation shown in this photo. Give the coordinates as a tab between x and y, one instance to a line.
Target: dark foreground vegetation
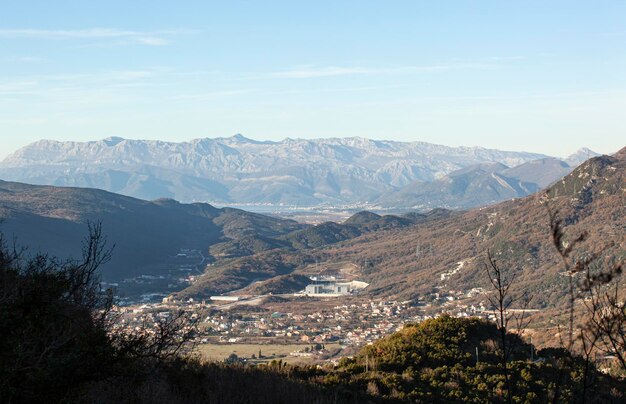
58	345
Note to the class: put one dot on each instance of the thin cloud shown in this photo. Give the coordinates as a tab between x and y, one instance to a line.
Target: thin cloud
18	87
155	38
331	71
335	90
506	58
475	102
212	95
103	76
24	59
152	41
67	34
69	85
324	72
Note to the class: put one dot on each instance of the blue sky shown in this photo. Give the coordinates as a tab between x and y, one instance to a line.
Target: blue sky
545	76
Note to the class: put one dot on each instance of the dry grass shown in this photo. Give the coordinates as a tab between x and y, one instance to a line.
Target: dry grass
219	352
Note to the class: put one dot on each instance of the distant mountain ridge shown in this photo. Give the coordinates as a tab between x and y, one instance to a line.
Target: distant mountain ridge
479	185
240	170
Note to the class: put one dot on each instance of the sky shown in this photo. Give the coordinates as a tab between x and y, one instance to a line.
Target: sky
541	76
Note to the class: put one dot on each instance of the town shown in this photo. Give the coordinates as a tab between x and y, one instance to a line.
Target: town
338	323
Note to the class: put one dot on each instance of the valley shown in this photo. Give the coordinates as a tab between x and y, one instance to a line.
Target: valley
429	265
249	280
331	202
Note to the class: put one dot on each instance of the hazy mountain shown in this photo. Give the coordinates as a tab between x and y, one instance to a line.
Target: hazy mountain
542	172
580	156
241	170
478	185
466	188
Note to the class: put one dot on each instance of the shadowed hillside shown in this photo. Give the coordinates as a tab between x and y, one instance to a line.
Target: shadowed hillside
146	235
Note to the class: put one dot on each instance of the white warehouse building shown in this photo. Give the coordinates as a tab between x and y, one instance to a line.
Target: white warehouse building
332	288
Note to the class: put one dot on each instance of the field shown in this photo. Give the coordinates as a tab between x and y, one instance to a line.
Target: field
219	352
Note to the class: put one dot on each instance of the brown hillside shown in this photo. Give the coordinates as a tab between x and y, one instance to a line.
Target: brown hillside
420	260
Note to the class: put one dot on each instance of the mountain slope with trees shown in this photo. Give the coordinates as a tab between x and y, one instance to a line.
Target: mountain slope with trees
146	234
448	252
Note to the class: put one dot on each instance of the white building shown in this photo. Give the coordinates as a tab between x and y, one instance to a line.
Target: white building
333	288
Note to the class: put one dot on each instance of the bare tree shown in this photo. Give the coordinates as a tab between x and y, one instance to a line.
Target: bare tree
605	324
58	325
501	303
53	317
607	319
160	340
572	266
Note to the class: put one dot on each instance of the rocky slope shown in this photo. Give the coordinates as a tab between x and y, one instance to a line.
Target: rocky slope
241	170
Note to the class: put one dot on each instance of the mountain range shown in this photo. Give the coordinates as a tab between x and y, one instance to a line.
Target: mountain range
238	170
400	256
